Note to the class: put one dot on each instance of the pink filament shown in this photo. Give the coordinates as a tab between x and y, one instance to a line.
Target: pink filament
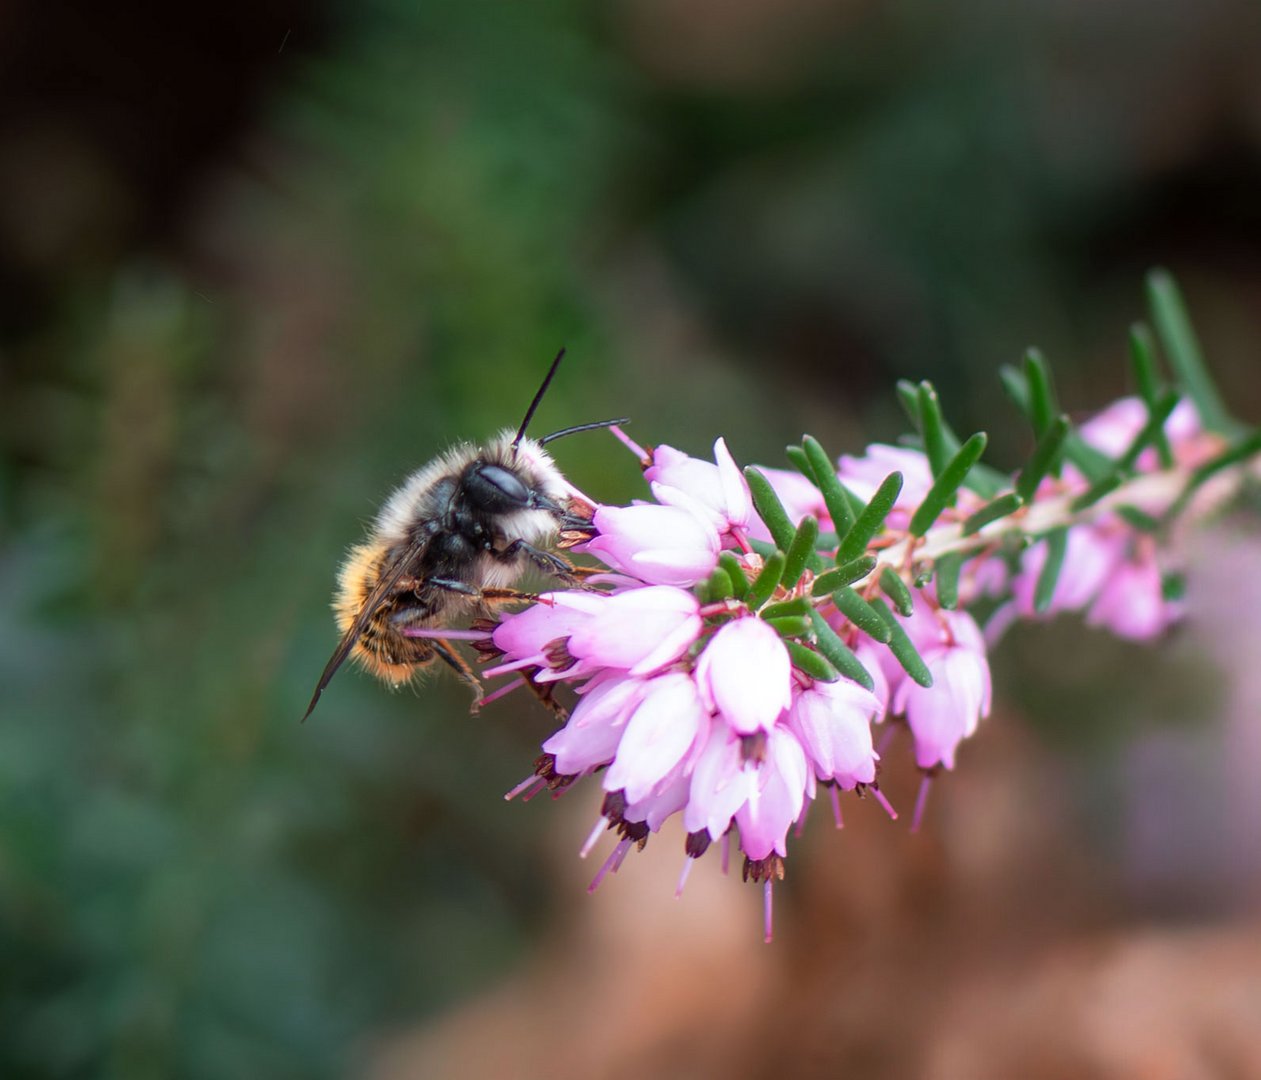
687	869
726	852
836	806
921	800
878	795
525	785
496	695
600	826
531	794
515	665
621	851
442	632
768	910
742	541
608	865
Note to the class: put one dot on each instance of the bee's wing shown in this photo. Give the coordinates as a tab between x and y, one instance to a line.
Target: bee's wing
383	588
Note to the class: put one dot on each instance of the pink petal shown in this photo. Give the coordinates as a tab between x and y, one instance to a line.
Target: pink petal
746	674
721	782
640	629
778	798
658	734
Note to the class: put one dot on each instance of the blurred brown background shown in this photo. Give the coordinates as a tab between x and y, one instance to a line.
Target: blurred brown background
258	262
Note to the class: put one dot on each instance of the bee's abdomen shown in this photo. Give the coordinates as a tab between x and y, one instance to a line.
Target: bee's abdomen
381	649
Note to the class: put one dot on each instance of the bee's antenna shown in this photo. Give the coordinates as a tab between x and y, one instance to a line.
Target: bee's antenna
529	413
582	427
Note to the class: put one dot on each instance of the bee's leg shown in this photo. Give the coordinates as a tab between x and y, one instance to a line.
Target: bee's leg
546	561
451	585
543	691
508	596
456	663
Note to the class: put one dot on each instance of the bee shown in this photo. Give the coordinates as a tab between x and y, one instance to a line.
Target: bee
449	542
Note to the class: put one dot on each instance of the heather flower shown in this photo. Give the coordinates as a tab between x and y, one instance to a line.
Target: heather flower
777	797
714	492
594	730
943	715
1132	603
722	781
745	674
666	799
1090	557
659	545
557	615
639	630
668	722
832	722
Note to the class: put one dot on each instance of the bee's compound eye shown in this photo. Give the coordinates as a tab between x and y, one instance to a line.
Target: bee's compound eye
495	488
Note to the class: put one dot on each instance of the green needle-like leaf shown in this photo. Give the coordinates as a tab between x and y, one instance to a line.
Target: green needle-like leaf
930	426
831	580
1173	587
948	567
908	398
904	651
764	584
718	587
812	663
1147	379
1042	406
1139	520
769	508
870	520
1044	591
798	605
797	458
945	486
1017	387
800	550
892	585
1093	463
1169	313
735	573
790	625
999	508
835	497
1157	414
861	614
1045	457
838	653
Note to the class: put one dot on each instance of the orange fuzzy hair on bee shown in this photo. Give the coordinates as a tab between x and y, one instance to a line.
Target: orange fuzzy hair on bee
385	654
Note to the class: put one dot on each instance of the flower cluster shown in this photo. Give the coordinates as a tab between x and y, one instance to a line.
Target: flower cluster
751	629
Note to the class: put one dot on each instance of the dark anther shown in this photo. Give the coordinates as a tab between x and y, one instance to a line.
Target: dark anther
768	869
614	806
559	658
635	831
697	843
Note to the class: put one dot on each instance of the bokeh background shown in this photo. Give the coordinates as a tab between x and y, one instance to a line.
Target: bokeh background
259	261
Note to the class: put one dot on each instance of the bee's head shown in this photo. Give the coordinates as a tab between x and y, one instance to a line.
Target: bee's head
491	487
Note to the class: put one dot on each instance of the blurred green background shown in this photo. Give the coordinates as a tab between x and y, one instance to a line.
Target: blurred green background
259	262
